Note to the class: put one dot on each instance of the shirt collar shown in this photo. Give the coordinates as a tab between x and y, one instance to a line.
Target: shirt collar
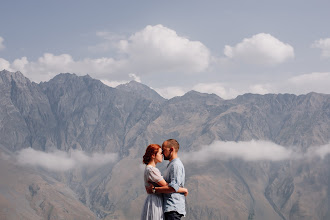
175	159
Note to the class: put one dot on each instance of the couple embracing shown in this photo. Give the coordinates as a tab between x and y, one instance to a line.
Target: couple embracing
166	195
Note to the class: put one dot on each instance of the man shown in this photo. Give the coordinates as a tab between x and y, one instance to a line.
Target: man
174	203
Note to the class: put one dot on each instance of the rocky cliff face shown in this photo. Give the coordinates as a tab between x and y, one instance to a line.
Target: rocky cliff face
71	112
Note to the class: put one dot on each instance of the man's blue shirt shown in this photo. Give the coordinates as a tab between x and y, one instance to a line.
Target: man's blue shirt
174	175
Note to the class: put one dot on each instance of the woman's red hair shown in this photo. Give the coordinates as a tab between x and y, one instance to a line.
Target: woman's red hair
152	149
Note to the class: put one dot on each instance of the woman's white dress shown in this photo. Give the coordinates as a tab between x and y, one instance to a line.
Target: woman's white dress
153	205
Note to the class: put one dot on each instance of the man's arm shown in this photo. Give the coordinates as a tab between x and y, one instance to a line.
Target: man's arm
163	187
166	189
171	187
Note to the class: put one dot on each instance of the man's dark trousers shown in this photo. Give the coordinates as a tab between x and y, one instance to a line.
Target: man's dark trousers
173	215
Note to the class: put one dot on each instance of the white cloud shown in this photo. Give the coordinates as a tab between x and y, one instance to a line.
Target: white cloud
260	88
223	90
113	83
49	65
251	151
4	64
153	50
316	82
2	46
19	64
134	77
170	92
248	151
321	151
260	49
219	89
324	45
158	48
110	42
63	161
117	83
300	84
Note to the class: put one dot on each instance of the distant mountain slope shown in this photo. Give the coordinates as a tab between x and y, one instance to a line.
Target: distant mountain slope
142	90
78	112
26	193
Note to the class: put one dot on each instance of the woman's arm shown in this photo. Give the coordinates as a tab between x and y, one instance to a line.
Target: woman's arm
169	189
165	188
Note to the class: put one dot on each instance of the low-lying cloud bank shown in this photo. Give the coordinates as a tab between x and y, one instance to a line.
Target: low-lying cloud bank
251	151
61	160
321	151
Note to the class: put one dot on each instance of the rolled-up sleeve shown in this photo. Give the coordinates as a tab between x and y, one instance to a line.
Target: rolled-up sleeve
176	177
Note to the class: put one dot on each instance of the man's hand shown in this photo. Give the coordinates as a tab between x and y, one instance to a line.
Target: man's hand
149	189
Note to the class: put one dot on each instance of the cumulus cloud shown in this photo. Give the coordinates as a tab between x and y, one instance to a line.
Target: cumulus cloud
170	92
117	83
2	46
153	50
316	82
251	151
324	45
4	64
221	90
19	64
261	49
135	77
109	42
63	161
113	83
300	84
49	65
260	88
158	48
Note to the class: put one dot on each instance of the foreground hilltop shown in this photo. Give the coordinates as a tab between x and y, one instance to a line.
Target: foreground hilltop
72	112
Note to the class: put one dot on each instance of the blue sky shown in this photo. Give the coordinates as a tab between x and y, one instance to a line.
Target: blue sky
222	47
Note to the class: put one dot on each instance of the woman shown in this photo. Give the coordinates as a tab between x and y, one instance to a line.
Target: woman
153	205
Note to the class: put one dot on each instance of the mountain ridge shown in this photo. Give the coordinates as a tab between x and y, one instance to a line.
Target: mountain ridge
81	113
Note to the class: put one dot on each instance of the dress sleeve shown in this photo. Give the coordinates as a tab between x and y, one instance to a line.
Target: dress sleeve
154	175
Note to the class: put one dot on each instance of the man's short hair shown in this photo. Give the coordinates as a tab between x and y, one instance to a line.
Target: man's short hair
173	143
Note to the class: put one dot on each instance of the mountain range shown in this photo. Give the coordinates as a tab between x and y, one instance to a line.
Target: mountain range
72	147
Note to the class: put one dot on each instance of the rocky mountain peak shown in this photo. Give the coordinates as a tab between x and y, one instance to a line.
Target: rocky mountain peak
195	94
142	90
73	84
198	98
68	78
17	77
